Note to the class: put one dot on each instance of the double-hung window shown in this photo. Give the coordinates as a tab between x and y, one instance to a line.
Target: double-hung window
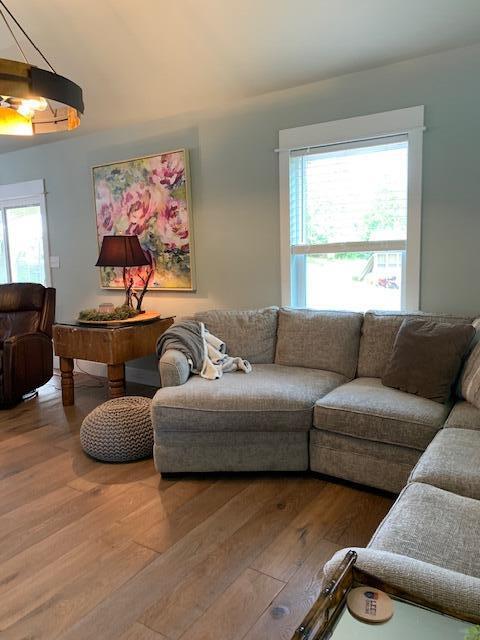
350	194
24	255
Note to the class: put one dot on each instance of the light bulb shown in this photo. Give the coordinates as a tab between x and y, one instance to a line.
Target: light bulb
28	106
25	110
37	104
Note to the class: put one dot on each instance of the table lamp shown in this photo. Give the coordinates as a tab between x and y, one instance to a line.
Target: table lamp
125	251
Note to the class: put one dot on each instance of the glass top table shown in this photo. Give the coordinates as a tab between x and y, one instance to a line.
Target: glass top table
329	618
409	622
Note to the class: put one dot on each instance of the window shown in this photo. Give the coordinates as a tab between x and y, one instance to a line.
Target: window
24	255
350	204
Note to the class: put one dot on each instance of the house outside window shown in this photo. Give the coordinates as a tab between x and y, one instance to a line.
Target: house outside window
350	195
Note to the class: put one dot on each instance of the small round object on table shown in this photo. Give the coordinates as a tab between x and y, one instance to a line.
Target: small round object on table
119	430
370	605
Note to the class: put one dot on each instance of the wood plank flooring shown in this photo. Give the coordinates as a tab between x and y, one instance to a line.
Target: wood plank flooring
115	552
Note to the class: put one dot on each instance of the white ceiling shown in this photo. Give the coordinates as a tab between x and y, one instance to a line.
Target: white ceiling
146	59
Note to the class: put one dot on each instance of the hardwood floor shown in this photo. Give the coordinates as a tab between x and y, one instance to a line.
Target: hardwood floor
91	550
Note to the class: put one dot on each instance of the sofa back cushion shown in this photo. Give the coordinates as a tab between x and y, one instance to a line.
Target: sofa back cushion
379	331
249	334
319	339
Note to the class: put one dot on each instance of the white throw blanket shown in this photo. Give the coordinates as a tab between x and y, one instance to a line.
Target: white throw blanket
216	362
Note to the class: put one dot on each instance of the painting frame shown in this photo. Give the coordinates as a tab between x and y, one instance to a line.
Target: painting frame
187	219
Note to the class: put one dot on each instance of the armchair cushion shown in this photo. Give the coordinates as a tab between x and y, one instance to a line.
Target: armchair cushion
22	297
20	322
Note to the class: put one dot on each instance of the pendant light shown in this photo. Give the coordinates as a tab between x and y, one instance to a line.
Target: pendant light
34	100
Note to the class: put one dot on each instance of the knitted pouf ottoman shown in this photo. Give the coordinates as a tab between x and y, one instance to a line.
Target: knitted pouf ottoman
119	430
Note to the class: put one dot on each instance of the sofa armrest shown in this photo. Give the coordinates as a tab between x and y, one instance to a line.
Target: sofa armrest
457	593
27	364
174	368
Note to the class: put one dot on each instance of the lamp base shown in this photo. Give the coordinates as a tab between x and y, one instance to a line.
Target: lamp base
131	294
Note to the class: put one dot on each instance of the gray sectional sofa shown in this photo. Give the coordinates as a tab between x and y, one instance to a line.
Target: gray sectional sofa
427	545
315	399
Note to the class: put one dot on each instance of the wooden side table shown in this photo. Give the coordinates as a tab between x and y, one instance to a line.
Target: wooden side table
112	346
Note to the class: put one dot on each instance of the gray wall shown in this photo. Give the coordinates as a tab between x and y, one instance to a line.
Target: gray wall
235	185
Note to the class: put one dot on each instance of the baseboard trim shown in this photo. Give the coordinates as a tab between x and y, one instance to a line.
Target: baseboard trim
132	374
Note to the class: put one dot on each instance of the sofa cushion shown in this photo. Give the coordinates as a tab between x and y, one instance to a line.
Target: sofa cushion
463	416
364	408
270	398
452	462
426	358
379	331
249	334
326	340
433	525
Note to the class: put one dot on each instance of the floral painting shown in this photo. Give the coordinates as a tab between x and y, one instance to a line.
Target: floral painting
148	197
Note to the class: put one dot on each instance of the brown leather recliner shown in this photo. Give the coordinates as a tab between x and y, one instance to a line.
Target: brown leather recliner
27	312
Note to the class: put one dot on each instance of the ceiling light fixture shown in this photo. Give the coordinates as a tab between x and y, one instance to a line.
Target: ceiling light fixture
34	100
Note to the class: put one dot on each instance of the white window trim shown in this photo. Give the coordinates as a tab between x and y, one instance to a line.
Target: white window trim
22	190
27	193
409	122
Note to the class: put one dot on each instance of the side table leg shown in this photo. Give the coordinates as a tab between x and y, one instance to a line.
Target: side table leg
68	391
116	380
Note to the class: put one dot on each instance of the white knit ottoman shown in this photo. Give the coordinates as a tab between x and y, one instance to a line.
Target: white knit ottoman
119	430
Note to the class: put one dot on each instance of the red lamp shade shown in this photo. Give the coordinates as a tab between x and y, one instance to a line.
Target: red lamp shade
121	251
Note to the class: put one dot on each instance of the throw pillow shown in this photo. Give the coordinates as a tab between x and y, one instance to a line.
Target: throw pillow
470	378
427	357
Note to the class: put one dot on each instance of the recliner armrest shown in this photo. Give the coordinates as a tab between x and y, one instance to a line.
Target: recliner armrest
27	364
174	368
29	337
